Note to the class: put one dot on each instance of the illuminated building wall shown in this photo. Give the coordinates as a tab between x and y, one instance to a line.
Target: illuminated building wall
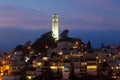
92	67
55	28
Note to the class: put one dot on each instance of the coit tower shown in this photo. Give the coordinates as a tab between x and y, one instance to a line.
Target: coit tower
55	28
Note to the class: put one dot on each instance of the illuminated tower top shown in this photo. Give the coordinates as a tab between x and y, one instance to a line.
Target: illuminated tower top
55	28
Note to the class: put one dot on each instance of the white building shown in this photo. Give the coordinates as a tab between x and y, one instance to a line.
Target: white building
55	28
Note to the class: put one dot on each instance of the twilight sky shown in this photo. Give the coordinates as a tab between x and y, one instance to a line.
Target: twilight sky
95	20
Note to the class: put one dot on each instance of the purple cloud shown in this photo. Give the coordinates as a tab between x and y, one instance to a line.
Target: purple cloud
102	4
24	18
88	17
113	20
89	21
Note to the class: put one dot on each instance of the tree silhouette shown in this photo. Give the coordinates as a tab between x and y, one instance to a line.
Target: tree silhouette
44	42
64	34
90	49
19	48
25	49
89	45
28	43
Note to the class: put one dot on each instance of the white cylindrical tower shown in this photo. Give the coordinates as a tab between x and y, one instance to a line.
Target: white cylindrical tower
55	28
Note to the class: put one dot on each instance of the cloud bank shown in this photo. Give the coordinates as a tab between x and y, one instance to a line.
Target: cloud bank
23	18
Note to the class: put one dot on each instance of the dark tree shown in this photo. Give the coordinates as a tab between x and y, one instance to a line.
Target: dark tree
64	34
102	45
43	43
25	49
28	43
89	45
90	49
19	48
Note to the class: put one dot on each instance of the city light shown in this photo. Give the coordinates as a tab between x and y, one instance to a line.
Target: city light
29	77
27	58
45	58
91	67
39	63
